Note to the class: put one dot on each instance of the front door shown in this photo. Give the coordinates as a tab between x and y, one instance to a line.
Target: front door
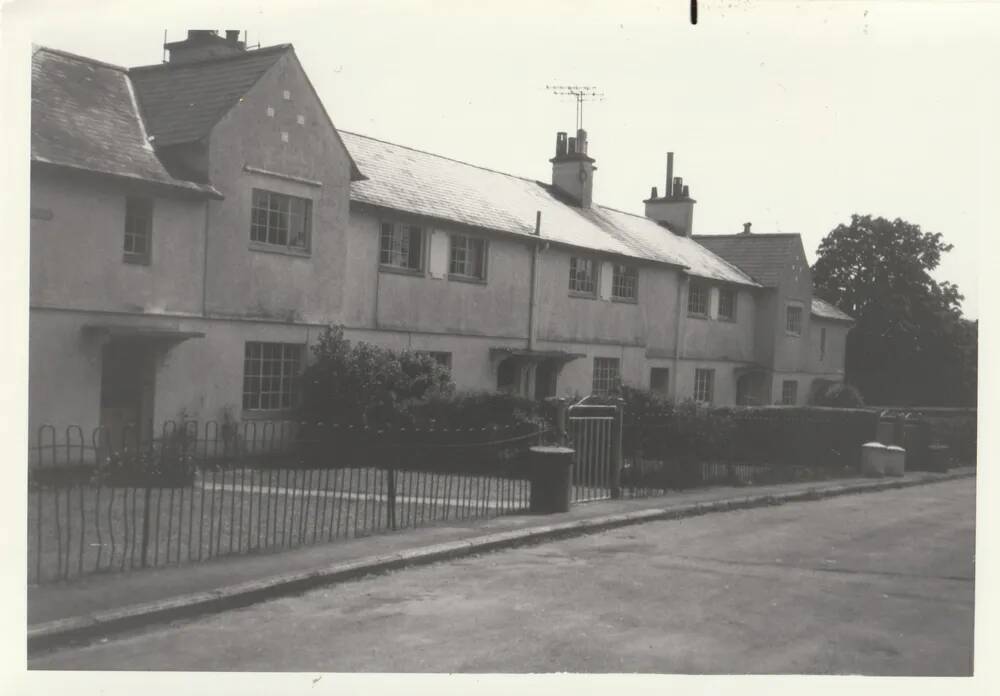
126	392
545	379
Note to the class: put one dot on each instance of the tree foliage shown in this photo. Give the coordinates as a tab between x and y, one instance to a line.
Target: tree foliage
911	344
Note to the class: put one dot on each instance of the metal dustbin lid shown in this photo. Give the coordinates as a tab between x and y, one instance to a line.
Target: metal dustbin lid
895	448
875	445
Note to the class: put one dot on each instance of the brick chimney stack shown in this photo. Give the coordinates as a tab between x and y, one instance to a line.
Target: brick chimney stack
675	208
202	44
573	169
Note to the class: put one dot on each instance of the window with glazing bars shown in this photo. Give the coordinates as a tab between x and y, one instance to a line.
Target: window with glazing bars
468	257
793	320
270	373
138	229
441	357
703	385
727	303
280	221
697	298
789	392
607	377
624	282
401	246
582	275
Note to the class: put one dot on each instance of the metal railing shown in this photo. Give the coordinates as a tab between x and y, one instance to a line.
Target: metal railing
201	490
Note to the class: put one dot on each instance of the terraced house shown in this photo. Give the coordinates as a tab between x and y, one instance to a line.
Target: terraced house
195	225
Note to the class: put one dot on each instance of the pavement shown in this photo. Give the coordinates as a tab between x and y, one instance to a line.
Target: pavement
877	584
101	605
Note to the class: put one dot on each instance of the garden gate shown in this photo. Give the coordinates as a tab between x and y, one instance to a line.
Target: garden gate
595	432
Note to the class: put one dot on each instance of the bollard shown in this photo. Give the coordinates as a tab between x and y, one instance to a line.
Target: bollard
551	475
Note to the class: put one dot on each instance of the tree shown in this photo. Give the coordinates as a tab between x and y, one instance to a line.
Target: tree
910	344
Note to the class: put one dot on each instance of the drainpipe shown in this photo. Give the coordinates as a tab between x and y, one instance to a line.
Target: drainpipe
678	341
533	293
204	266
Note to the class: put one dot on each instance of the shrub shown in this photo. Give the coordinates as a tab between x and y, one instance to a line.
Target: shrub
840	395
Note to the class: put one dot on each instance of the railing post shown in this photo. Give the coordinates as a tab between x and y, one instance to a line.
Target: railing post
616	449
147	499
391	491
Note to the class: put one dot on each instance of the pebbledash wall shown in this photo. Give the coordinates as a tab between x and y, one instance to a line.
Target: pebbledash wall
209	290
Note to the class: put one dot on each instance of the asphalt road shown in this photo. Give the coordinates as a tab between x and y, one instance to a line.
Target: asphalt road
878	583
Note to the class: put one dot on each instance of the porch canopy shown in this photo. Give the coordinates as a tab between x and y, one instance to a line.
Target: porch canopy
528	355
154	333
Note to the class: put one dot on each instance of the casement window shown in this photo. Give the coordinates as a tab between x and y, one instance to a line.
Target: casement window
704	385
697	299
789	392
402	247
441	357
280	221
793	320
138	243
727	304
607	375
582	275
467	257
822	343
659	380
625	282
270	374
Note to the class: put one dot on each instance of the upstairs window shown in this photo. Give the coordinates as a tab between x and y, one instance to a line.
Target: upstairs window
625	282
138	242
270	373
468	257
607	375
793	320
704	385
727	304
280	221
698	299
582	275
402	247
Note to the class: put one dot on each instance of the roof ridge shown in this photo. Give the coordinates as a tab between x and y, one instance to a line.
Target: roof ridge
213	59
742	235
444	157
77	56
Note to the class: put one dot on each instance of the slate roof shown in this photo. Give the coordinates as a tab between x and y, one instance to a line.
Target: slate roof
763	256
84	116
404	179
825	310
182	102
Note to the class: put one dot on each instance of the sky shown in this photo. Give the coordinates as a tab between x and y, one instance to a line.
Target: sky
788	115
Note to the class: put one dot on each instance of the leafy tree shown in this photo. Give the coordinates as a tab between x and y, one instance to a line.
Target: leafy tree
911	344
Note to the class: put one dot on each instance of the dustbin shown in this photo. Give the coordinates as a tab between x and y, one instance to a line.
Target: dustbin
551	475
873	459
895	460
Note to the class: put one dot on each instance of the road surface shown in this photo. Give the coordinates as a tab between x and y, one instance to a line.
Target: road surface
879	583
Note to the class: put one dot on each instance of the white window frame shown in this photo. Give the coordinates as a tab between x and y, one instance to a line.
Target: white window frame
789	399
793	309
275	216
624	282
704	385
734	294
589	287
704	292
401	246
607	377
461	252
270	375
138	226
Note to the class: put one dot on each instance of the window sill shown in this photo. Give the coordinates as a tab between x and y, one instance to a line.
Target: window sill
583	295
281	251
693	315
136	259
467	279
417	273
792	334
625	300
257	414
728	320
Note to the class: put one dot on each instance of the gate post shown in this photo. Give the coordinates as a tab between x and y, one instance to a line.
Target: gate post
616	449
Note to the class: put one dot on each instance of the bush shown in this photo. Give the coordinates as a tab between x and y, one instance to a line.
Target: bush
840	395
366	384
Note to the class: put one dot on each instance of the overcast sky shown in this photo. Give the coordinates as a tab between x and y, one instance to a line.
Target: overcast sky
790	116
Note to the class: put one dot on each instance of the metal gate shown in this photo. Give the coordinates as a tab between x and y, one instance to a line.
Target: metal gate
595	432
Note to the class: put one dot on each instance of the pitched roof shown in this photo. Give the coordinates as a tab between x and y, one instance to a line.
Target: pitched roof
825	310
182	102
84	116
404	179
763	256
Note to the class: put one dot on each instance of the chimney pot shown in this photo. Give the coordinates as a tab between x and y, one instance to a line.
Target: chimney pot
670	174
560	144
746	228
232	35
678	184
572	146
652	194
684	191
